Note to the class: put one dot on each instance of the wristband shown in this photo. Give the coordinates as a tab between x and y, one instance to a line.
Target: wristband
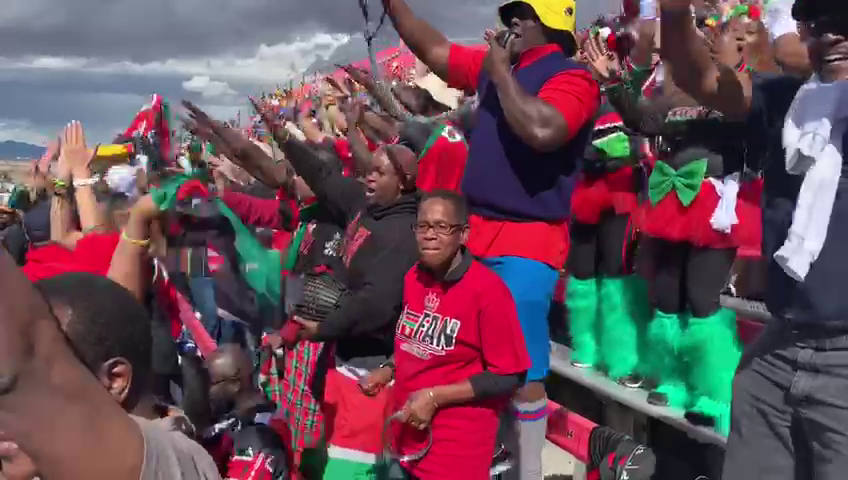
86	182
133	241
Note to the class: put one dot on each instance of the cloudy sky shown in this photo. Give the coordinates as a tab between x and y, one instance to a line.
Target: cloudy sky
98	61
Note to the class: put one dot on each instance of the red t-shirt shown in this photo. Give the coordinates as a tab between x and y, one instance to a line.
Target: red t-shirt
442	163
92	254
449	331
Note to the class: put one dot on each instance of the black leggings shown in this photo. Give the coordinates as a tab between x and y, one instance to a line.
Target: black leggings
600	250
685	277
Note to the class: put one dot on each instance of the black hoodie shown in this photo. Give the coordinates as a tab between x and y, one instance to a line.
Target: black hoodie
378	249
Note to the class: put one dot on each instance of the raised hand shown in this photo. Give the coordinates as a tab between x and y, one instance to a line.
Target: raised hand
76	154
196	113
341	89
605	62
353	110
274	127
358	75
50	155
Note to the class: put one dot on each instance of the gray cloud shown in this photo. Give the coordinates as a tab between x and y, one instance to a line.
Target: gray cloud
183	31
143	31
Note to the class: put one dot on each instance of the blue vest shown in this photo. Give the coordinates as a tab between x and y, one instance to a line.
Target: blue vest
504	177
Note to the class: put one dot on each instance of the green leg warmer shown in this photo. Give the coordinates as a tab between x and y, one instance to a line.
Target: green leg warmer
661	358
711	351
639	306
581	299
618	333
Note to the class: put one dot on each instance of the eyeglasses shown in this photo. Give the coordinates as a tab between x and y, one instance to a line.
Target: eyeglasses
440	228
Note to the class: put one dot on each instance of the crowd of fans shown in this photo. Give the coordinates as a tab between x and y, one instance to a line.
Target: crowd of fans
359	284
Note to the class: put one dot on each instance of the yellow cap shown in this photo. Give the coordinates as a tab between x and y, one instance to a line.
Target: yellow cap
554	14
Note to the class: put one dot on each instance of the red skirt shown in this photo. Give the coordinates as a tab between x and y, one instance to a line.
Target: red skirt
670	220
593	196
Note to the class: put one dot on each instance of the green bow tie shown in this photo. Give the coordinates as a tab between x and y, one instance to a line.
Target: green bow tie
686	182
614	145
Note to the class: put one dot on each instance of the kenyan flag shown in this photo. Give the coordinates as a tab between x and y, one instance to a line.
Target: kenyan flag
261	267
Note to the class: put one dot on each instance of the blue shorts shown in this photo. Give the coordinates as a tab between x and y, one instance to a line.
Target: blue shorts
532	285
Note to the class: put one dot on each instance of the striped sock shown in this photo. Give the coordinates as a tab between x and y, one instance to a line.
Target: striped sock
531	421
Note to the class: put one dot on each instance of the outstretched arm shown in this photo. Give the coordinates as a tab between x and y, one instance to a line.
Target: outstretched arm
693	69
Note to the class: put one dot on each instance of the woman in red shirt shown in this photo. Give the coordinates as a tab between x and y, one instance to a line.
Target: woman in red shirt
459	351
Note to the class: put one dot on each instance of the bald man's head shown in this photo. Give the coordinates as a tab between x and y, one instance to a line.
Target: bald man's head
230	370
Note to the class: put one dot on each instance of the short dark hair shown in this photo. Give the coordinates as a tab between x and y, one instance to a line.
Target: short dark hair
106	322
457	201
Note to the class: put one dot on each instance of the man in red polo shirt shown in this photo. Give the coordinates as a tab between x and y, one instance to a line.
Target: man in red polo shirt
530	131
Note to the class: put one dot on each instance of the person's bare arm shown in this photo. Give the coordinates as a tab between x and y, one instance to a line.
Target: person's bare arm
359	150
242	151
310	128
130	266
62	226
387	131
692	68
534	120
379	91
51	406
79	157
427	43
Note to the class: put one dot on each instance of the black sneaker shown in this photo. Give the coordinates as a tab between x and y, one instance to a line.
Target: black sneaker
501	462
657	399
632	381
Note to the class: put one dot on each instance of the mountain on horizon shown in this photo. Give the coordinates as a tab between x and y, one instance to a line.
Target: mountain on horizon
12	150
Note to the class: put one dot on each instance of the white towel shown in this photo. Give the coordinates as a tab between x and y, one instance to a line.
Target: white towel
122	179
812	135
724	216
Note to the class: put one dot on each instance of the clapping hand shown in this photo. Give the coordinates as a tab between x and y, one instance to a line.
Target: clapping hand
75	153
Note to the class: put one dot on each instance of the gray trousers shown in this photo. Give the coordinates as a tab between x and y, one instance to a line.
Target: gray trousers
789	417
